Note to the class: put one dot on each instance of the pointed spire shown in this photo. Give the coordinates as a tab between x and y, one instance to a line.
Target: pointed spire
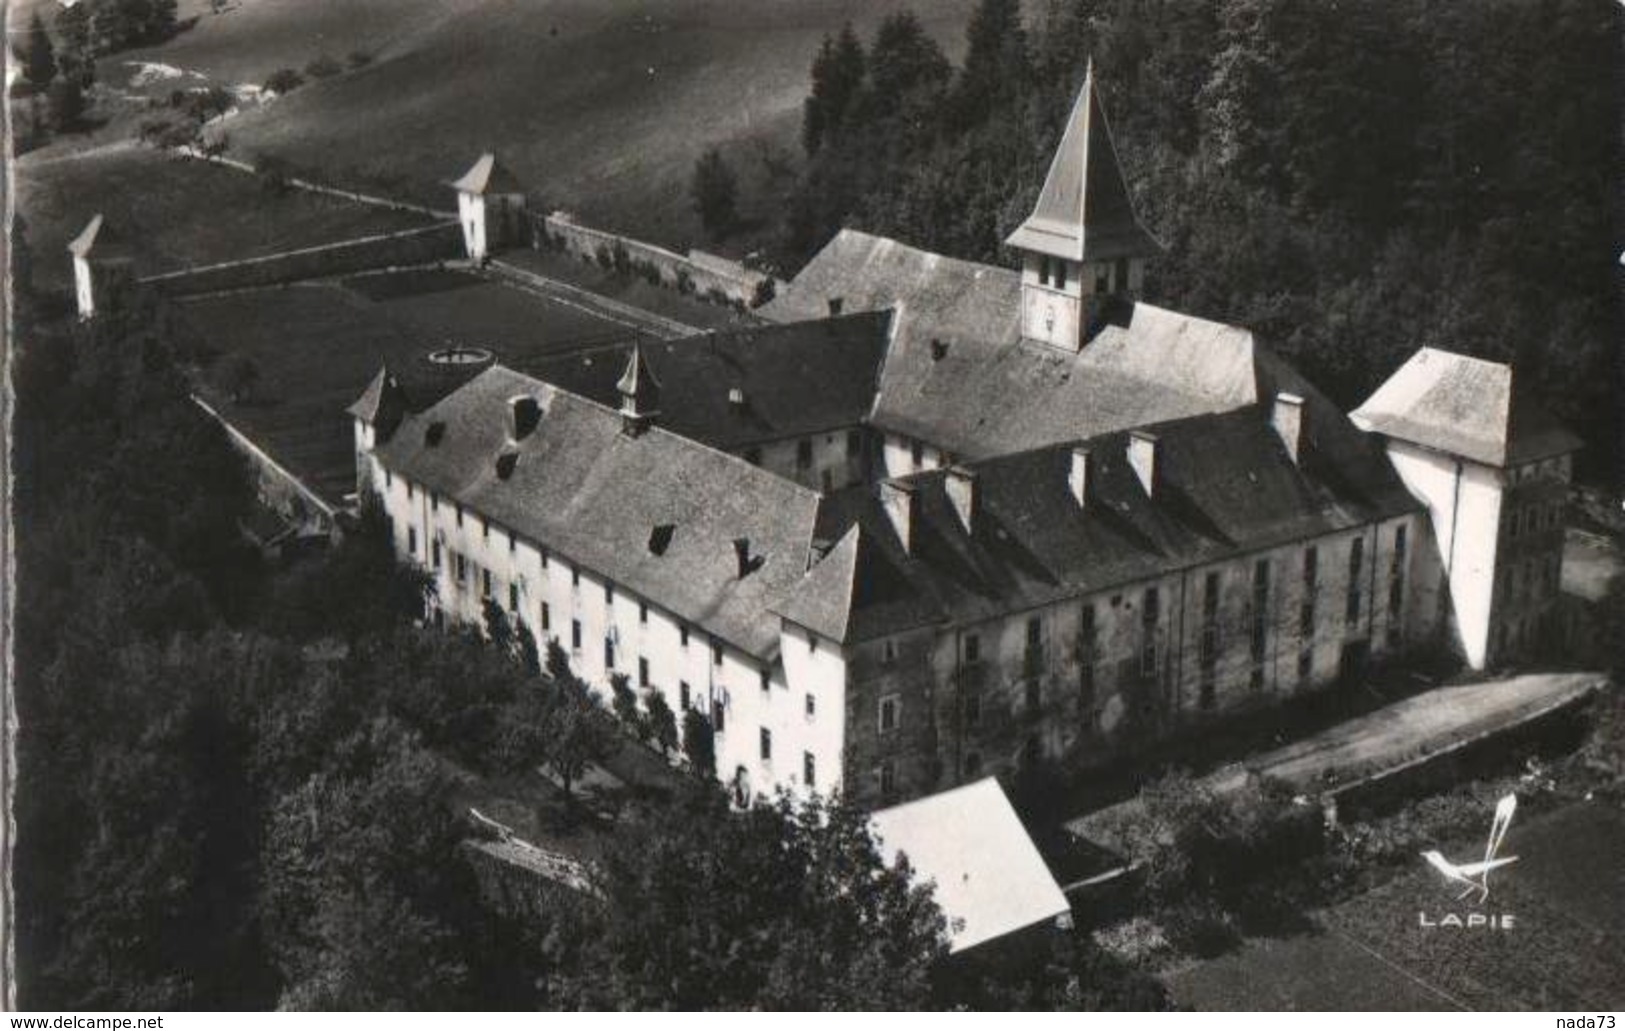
640	393
488	175
382	405
1085	212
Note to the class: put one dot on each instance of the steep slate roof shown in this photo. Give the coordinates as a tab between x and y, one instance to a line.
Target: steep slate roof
858	582
959	375
594	494
990	879
1084	212
100	239
382	403
1226	486
488	175
1463	406
796	379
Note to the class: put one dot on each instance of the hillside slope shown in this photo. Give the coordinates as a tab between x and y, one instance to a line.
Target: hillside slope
601	106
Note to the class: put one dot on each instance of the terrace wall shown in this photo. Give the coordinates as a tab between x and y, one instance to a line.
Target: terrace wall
705	275
408	247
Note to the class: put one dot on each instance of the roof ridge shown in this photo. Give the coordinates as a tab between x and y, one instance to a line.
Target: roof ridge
654	429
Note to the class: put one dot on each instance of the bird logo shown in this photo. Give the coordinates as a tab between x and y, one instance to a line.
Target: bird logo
1476	876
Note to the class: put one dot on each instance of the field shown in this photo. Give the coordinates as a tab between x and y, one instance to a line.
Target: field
1566	951
316	346
600	106
175	212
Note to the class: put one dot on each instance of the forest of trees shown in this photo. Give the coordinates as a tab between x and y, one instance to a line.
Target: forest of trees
237	777
1350	181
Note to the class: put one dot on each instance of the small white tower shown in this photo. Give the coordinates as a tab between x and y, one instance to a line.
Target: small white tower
1083	243
376	414
1493	468
491	207
103	268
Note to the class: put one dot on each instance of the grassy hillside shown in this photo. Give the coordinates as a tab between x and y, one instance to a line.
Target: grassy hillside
601	106
175	212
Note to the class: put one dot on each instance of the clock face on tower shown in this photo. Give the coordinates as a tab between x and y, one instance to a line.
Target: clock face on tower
1049	317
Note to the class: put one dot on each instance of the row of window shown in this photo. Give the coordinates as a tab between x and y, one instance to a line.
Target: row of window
804	450
465	569
1534	518
1209	642
809	763
1531	579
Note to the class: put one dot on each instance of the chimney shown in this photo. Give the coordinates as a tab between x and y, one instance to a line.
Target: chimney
1287	418
1077	478
901	502
524	413
736	398
960	484
1142	458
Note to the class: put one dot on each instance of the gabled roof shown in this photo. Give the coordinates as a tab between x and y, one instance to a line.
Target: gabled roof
383	403
1463	406
958	374
1084	212
488	175
1226	486
595	494
989	878
857	586
793	380
100	240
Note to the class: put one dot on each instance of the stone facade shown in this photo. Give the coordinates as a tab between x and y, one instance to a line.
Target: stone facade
1078	681
774	722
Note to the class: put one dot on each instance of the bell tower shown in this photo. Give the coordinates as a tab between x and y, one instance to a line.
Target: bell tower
1083	245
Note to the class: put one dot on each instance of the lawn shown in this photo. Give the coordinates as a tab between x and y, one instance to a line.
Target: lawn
175	212
1566	951
601	106
317	345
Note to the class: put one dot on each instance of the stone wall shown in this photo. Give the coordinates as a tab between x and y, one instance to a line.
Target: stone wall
409	247
703	275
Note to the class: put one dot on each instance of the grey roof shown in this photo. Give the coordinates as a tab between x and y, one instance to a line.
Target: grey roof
959	375
1463	406
794	379
99	239
488	175
382	403
1226	487
858	585
1084	211
584	488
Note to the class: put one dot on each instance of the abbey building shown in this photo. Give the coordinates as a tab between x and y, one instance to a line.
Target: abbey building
932	520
